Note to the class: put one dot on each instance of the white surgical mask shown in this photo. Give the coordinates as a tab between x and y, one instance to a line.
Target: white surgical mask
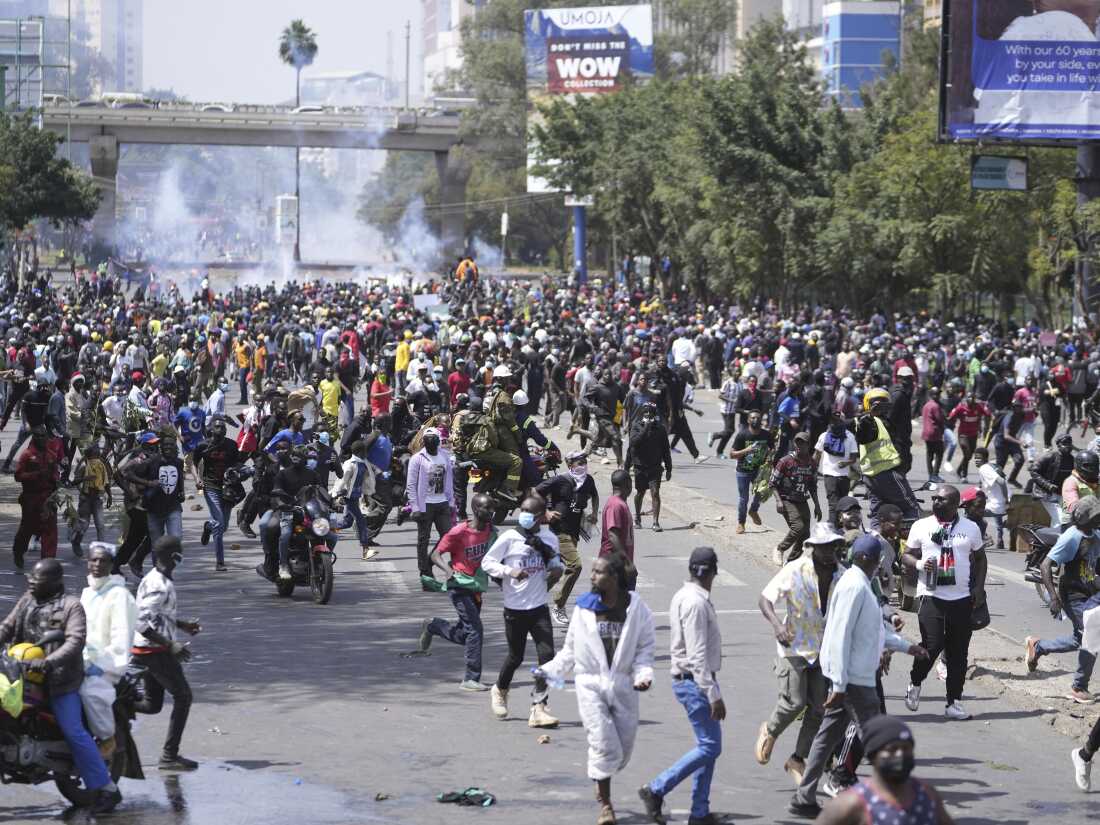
526	520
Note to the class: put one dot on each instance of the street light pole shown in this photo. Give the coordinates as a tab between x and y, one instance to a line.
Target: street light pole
298	177
408	37
69	81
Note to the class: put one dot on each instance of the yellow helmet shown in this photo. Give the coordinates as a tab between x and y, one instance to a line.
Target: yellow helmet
95	336
877	394
108	345
26	652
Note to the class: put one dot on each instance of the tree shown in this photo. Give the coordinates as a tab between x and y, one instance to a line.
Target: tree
693	36
39	183
298	49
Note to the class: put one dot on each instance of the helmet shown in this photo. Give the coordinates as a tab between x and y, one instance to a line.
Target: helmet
502	371
876	394
519	398
26	652
108	345
1087	465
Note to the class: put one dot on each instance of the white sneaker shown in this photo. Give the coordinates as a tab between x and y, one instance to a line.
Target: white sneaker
284	573
498	702
955	711
912	697
702	459
559	616
777	557
1082	770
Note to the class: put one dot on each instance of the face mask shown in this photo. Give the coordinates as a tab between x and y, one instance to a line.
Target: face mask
311	464
526	520
897	767
579	473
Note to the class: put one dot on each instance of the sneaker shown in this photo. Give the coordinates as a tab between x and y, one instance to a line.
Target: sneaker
673	449
637	523
955	711
806	810
559	616
1081	697
702	459
755	516
836	783
284	573
941	670
177	763
764	744
652	804
658	528
472	685
105	801
369	553
740	529
498	702
912	697
777	557
1031	653
795	768
539	717
220	568
424	641
1082	770
205	538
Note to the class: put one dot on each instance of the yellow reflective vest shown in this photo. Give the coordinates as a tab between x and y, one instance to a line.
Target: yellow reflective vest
879	455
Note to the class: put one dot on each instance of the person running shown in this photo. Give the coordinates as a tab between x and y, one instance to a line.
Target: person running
696	658
215	454
794	479
567	496
609	648
750	448
647	451
356	480
465	544
616	529
527	560
835	455
430	490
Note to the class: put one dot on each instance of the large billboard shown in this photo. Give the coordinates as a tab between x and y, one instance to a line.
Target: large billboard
584	51
1020	71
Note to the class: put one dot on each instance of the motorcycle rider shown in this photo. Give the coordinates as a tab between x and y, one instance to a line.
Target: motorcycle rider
1050	470
480	439
879	460
1077	551
529	430
111	617
1083	482
159	652
45	606
278	523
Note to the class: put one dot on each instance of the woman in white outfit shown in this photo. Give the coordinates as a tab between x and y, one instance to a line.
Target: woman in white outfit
609	647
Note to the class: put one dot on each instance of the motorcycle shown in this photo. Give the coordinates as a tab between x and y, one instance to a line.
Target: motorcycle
488	481
32	747
311	556
1040	540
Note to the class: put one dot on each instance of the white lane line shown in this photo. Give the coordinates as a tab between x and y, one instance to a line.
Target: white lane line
725	577
1010	575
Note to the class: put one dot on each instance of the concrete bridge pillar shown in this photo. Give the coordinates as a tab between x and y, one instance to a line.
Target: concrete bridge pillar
453	167
103	150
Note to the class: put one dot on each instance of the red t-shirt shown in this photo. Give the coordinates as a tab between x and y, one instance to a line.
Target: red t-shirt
459	382
466	547
616	513
380	398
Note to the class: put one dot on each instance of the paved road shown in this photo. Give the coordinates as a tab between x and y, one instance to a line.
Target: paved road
309	713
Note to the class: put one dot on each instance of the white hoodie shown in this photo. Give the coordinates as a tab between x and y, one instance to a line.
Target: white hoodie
112	616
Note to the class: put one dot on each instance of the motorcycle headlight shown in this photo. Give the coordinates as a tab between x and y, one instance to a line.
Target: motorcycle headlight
321	526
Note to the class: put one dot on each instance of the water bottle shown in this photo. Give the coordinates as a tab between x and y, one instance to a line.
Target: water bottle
930	577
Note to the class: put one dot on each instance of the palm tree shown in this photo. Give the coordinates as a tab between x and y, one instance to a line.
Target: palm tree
297	48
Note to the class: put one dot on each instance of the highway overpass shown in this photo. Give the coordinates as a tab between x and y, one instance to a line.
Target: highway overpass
105	129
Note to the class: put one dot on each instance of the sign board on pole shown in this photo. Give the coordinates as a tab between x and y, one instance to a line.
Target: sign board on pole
286	220
580	200
998	172
1011	71
587	50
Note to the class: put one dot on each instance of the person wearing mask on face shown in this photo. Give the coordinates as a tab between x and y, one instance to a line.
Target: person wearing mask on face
899	418
165	493
1050	470
159	652
802	589
567	495
111	617
135	469
794	479
750	449
278	523
891	791
1082	483
215	404
646	453
44	607
851	651
34	407
465	544
429	487
835	454
191	423
356	479
943	548
609	648
696	658
216	454
292	434
527	560
39	471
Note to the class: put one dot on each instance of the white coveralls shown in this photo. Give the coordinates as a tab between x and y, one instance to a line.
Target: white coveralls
112	615
606	699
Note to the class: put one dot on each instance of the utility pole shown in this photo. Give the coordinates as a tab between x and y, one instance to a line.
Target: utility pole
408	39
69	82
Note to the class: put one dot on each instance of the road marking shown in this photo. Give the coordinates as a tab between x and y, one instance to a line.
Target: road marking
1011	575
731	612
724	578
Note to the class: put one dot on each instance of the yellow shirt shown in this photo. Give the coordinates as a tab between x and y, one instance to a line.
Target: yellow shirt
401	357
242	355
154	326
159	364
330	397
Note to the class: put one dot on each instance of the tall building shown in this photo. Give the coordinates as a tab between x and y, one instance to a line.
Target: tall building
441	30
114	29
857	38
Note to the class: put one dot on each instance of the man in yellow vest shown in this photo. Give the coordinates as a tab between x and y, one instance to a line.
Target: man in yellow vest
879	460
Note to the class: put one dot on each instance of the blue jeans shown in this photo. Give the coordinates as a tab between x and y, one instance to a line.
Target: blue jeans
68	711
219	522
466	631
275	529
698	763
1074	608
744	494
353	514
170	524
243	377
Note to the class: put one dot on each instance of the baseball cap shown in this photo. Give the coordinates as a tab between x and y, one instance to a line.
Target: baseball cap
969	494
847	503
879	731
802	436
703	560
148	438
866	546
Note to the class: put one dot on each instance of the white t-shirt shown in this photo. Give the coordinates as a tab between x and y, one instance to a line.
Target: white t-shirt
996	493
437	476
952	554
830	464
